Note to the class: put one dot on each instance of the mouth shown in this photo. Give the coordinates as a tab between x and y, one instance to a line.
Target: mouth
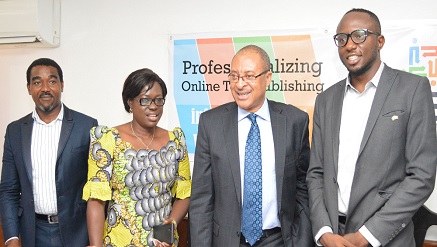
243	95
46	97
353	59
152	117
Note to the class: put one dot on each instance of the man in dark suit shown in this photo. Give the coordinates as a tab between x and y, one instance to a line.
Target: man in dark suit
45	167
220	194
374	148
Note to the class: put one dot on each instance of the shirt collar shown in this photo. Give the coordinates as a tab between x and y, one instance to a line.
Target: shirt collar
263	112
37	119
374	81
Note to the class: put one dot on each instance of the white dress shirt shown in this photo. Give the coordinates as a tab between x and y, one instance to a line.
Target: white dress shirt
269	200
44	152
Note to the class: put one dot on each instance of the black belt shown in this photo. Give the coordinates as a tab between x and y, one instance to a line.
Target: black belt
342	219
266	233
51	219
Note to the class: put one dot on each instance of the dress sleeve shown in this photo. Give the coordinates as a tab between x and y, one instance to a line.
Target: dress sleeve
182	186
100	164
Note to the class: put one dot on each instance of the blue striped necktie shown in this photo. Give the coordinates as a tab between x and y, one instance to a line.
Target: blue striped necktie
252	201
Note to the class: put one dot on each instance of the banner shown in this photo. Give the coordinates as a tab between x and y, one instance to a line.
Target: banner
303	63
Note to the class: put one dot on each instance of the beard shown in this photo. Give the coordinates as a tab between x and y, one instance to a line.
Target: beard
50	107
47	109
366	67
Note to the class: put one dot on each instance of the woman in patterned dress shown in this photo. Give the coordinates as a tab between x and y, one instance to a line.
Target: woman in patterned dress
138	173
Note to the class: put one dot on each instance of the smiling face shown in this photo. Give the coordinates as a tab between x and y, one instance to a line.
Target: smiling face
249	96
147	116
364	58
45	88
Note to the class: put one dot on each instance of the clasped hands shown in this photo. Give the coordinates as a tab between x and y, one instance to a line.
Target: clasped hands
350	240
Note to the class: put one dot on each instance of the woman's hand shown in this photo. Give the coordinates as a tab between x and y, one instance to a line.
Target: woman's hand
160	244
164	244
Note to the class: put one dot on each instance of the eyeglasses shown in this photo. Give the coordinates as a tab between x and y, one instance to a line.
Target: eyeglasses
358	36
234	77
147	101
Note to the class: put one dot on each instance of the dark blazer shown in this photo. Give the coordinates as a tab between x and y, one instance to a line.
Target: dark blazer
215	203
17	207
396	166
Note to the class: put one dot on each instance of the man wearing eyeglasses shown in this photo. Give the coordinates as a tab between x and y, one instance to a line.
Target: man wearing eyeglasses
373	156
250	165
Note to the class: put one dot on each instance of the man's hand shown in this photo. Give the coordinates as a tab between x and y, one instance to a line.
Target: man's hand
334	240
357	239
13	243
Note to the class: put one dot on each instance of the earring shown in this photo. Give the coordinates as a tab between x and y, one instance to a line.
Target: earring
130	110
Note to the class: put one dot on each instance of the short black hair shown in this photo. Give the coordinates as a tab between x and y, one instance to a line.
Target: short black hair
136	81
44	62
371	14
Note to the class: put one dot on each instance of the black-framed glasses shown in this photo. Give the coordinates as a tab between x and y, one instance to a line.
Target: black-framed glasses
147	101
357	36
234	77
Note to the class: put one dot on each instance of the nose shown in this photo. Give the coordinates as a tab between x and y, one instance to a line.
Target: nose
240	83
152	105
350	44
45	87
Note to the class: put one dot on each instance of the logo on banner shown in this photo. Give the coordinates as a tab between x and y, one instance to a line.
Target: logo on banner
423	62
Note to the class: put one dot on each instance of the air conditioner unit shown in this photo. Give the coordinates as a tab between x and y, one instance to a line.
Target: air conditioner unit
29	23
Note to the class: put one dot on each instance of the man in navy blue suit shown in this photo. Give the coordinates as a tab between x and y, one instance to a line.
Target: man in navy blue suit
45	167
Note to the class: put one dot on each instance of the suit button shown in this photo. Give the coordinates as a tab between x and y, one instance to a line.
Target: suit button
335	180
238	234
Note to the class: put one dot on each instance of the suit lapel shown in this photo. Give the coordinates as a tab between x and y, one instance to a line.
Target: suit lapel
279	124
337	106
67	126
230	133
384	85
26	142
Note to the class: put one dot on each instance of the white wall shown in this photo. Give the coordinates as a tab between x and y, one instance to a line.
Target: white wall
102	41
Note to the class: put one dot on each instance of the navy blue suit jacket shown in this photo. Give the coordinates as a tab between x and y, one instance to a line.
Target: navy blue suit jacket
17	207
